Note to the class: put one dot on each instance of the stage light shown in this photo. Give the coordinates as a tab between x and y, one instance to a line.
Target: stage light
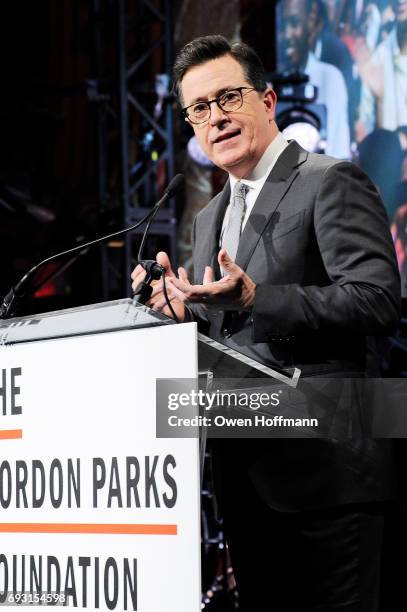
303	123
196	153
298	116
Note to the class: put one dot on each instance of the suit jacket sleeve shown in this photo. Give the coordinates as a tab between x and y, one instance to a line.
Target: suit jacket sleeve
351	229
197	312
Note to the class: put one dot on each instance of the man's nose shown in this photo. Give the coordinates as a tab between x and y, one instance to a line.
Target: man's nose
217	115
288	32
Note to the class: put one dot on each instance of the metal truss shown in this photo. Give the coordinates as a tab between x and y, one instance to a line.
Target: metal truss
134	128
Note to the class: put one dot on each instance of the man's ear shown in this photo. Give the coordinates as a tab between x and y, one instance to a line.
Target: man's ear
270	101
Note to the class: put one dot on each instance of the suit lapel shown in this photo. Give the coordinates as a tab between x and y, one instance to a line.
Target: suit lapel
211	246
276	186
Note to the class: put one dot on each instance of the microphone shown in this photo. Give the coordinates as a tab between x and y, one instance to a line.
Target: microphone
174	185
143	291
19	290
172	188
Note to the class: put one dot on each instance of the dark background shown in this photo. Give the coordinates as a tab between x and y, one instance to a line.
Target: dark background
49	175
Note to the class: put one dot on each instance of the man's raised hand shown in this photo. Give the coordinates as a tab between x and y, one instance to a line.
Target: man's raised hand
235	291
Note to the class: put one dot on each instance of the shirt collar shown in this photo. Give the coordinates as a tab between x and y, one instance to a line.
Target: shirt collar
393	42
318	49
311	62
259	174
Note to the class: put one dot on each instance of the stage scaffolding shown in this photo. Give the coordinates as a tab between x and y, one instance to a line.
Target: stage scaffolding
134	128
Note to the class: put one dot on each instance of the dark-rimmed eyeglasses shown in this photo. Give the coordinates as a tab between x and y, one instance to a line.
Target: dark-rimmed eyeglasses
229	101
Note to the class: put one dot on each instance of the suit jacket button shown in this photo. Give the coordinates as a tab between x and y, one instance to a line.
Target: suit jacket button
226	333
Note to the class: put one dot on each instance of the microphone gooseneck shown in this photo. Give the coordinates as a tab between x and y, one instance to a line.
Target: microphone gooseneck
154	270
20	289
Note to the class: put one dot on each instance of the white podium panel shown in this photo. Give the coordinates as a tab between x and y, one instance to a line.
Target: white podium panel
92	505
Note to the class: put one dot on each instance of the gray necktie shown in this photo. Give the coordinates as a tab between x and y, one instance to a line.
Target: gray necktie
231	235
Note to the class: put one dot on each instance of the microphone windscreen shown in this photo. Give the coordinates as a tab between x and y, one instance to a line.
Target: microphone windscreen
174	185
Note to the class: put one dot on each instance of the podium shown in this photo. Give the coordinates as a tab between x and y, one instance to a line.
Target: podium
95	511
98	509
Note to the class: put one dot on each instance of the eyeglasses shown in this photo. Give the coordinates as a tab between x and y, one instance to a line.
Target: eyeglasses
229	101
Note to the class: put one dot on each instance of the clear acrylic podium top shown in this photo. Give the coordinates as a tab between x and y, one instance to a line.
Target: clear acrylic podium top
91	319
128	314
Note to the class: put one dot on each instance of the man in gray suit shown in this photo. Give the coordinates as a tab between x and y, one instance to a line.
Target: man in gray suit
294	266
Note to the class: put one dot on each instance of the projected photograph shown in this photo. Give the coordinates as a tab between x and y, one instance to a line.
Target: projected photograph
353	103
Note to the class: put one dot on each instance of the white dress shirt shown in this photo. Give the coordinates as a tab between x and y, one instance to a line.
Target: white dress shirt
390	110
333	94
257	178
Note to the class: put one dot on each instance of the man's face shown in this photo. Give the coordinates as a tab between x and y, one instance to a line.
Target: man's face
233	141
334	9
295	33
400	10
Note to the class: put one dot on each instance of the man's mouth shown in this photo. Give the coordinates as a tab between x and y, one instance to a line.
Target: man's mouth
289	49
226	136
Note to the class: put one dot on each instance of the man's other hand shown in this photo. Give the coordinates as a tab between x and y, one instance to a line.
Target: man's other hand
235	291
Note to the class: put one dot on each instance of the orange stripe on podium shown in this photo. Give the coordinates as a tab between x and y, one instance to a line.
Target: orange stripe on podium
11	434
98	528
